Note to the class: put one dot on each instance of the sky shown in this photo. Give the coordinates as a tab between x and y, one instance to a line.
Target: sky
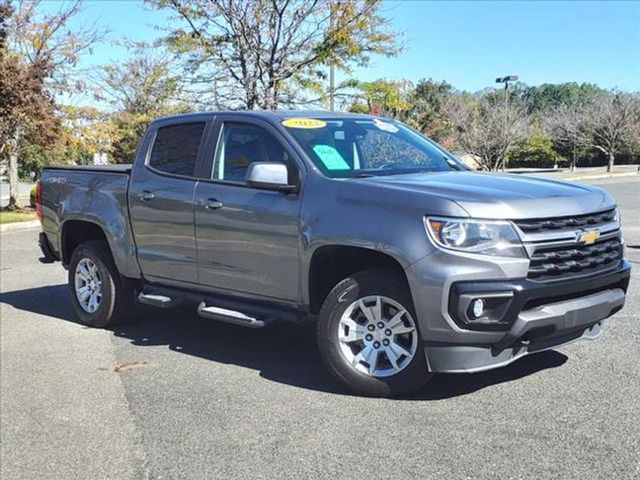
466	43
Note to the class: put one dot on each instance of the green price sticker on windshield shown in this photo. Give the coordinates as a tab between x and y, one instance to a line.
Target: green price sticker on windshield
331	157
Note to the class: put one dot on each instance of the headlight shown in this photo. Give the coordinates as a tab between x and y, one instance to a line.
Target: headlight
484	237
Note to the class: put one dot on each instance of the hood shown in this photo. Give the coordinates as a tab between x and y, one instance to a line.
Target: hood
501	196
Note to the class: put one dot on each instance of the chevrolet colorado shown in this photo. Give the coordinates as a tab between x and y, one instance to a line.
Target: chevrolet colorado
409	263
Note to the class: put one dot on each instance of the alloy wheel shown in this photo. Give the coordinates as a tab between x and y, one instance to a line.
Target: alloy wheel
88	285
377	336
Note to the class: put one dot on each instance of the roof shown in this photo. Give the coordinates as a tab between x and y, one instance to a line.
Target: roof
273	114
281	114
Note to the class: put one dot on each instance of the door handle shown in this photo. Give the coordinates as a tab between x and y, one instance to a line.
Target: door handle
211	203
146	195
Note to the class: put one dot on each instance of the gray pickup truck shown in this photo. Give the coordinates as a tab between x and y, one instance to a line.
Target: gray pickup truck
409	263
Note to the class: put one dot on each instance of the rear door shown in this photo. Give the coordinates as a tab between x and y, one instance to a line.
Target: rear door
247	238
161	193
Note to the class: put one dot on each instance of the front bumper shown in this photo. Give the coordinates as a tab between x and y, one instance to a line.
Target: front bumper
538	316
533	331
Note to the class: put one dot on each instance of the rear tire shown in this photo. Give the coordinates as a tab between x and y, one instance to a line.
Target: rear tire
369	337
99	294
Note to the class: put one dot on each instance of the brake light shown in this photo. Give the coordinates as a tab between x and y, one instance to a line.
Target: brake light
39	200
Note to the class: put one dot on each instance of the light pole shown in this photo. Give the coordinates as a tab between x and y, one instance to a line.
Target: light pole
332	87
506	80
332	67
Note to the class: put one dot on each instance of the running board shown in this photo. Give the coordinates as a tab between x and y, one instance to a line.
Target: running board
229	316
155	300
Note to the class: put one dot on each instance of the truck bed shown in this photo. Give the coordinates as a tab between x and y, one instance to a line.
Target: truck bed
117	168
89	198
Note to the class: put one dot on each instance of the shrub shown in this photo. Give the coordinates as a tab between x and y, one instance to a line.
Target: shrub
32	197
535	152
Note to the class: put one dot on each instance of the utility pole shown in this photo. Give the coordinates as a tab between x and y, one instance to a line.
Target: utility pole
216	103
332	67
506	80
332	87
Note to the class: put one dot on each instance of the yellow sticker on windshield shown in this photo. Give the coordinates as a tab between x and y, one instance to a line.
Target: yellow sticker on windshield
304	123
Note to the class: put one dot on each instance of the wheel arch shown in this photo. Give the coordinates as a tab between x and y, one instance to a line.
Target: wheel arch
77	229
329	264
74	232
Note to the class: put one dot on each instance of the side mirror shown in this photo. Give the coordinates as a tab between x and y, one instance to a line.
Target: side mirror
270	176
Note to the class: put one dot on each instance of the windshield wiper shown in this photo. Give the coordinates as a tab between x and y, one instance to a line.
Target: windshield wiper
452	163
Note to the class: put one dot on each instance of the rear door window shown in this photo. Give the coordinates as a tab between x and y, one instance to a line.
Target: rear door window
175	148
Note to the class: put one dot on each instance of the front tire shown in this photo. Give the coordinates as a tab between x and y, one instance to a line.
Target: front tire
99	295
369	338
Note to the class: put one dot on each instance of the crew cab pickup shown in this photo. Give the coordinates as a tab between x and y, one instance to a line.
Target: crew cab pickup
409	263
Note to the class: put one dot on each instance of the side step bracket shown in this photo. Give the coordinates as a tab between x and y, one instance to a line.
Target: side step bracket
156	300
229	316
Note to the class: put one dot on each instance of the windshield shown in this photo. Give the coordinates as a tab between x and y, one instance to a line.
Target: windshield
344	147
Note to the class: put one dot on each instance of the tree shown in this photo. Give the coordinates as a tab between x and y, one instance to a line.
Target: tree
39	53
37	37
25	107
612	120
140	89
383	97
549	96
25	111
266	53
140	83
428	108
568	126
485	130
536	151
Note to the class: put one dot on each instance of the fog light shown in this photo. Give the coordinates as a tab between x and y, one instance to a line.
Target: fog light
481	308
478	308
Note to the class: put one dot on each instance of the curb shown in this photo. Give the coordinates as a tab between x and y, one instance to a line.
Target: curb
19	226
589	177
601	176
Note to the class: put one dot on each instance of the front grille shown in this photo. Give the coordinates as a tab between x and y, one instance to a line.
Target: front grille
551	263
563	223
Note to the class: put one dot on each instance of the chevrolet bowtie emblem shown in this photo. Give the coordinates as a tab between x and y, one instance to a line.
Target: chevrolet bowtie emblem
587	238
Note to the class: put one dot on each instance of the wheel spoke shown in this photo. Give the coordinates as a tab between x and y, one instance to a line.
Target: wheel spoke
376	309
93	303
374	312
393	358
397	326
84	268
83	293
356	331
369	355
399	349
396	319
366	311
402	330
372	360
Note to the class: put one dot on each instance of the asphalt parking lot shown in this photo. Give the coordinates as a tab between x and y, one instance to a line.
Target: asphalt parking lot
174	396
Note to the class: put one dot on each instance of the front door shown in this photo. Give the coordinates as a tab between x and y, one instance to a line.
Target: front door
247	238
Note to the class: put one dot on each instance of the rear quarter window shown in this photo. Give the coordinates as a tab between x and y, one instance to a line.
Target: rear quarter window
175	148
